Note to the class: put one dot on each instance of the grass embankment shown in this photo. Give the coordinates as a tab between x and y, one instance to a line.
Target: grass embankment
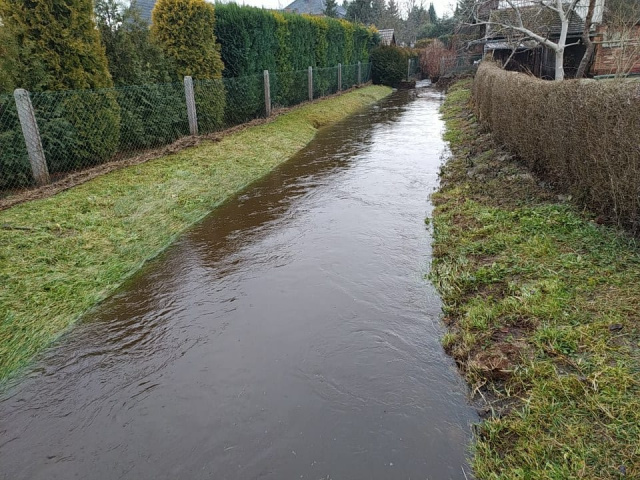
61	255
542	304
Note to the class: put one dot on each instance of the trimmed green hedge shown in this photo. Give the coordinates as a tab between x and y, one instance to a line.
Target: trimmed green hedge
389	65
254	39
86	127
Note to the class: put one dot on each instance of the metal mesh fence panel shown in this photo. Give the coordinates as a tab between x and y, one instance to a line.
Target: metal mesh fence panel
15	171
289	88
244	99
151	115
349	76
210	105
366	72
461	63
325	81
74	130
78	129
413	68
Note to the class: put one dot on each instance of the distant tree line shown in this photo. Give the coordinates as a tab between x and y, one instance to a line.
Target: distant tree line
412	20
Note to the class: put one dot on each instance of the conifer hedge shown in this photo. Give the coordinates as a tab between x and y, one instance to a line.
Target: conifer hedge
184	29
254	40
66	55
84	121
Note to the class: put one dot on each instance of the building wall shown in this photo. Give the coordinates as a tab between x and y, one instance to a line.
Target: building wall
615	50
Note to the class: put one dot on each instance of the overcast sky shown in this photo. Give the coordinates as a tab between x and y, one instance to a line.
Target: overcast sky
441	6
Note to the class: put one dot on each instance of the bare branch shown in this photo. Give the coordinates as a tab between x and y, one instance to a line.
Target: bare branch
539	38
572	7
546	5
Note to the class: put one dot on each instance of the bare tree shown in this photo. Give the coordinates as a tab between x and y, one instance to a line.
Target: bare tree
586	40
529	19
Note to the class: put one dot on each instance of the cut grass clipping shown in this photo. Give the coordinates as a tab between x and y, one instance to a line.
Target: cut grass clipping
542	308
61	255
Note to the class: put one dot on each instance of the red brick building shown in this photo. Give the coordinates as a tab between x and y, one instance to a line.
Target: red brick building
616	50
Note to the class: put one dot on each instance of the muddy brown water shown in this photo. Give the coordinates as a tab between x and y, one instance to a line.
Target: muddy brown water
289	335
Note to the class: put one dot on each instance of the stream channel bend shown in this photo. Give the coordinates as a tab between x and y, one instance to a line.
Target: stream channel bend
290	335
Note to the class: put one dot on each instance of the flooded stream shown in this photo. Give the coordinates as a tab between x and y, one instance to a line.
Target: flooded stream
289	335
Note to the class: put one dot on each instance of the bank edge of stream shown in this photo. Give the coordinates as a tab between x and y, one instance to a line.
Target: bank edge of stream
62	255
540	302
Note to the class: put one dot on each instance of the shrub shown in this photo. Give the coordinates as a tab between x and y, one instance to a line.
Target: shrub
582	136
389	65
255	39
185	31
434	57
66	55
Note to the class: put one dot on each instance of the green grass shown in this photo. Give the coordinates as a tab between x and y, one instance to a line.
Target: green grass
62	255
542	305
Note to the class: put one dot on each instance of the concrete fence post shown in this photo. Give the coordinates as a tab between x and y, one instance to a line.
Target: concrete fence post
339	77
191	105
267	94
359	73
409	70
310	83
31	134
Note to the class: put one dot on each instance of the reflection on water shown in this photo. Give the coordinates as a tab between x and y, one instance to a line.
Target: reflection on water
290	335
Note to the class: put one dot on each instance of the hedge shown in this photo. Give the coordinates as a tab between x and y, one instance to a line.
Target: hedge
65	57
389	65
254	40
80	128
184	29
583	136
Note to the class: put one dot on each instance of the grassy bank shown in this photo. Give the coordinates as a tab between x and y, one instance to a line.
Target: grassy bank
542	306
61	255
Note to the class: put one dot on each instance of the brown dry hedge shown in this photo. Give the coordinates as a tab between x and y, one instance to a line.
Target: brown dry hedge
583	136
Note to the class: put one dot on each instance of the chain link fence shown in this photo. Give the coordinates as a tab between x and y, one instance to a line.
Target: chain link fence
413	69
45	136
459	64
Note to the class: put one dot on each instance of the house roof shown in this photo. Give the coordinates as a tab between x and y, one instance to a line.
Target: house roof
145	7
537	18
387	36
312	7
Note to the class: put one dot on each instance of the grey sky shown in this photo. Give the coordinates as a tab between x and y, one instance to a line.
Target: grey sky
441	6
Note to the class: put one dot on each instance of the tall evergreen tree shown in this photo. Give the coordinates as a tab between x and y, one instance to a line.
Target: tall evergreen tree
391	17
417	17
184	29
433	17
464	12
378	8
63	45
360	11
392	9
8	59
331	8
59	48
132	56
